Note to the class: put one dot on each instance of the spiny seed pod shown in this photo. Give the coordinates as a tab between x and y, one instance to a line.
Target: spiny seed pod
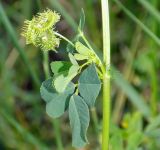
39	31
46	20
47	40
29	31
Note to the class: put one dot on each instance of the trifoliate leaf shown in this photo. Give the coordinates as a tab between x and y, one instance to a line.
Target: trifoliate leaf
89	85
57	103
61	82
60	67
79	120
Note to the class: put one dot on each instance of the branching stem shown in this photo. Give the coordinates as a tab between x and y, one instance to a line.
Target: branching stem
90	47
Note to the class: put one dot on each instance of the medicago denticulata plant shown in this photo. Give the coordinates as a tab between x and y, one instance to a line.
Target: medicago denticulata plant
59	91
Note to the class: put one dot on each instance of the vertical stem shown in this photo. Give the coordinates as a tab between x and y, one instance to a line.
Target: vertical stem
106	32
106	76
55	122
106	113
46	65
56	125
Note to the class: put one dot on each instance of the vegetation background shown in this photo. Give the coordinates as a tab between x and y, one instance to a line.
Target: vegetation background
135	55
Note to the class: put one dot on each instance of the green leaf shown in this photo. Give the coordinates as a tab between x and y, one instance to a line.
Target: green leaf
117	141
134	140
57	106
70	48
60	67
154	133
72	59
61	82
132	126
89	85
47	91
154	124
80	57
79	120
82	49
82	20
56	103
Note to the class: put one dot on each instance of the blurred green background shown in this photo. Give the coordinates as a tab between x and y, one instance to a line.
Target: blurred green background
135	54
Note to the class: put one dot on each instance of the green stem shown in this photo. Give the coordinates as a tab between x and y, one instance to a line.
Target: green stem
46	65
106	113
85	40
55	122
64	38
90	47
58	134
106	76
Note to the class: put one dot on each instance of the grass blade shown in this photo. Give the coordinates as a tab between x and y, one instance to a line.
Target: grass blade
134	97
155	13
27	135
136	20
12	34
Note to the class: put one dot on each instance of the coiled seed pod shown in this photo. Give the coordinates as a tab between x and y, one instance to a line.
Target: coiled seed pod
40	30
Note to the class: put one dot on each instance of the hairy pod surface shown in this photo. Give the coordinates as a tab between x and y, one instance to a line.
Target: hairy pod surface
40	30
